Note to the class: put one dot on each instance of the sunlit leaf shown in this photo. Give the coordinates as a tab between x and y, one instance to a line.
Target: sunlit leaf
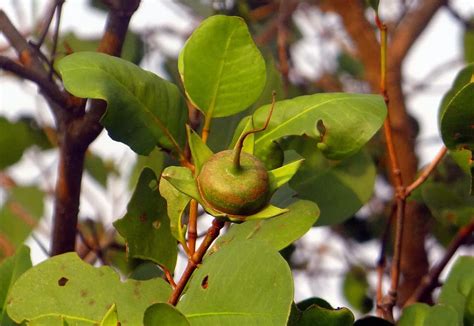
163	314
65	286
143	110
254	293
223	71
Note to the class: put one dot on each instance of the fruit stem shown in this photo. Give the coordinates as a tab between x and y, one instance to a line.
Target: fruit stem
240	143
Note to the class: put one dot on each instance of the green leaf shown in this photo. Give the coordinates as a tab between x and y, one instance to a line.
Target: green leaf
447	204
199	150
340	188
420	314
146	226
277	232
163	314
257	282
455	114
133	48
111	317
19	216
316	315
19	133
182	179
341	122
266	212
223	71
156	161
355	287
98	168
65	286
457	288
176	203
10	269
278	177
143	110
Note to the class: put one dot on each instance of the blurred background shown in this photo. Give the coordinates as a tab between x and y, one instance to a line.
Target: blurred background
309	47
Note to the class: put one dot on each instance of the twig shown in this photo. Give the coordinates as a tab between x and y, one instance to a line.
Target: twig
381	262
388	302
168	276
48	88
59	7
47	24
430	281
426	172
195	260
192	227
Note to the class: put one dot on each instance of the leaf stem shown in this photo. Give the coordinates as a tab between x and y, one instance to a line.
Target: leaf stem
240	143
196	259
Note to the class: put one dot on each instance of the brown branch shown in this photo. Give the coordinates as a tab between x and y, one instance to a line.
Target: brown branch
431	281
78	130
195	260
48	88
426	172
192	227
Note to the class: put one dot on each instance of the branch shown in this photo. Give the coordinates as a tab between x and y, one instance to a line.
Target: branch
48	88
431	281
196	259
411	27
426	172
78	130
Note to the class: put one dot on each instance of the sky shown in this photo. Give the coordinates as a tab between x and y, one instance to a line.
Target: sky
440	43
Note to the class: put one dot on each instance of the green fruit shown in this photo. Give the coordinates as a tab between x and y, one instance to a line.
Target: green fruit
234	191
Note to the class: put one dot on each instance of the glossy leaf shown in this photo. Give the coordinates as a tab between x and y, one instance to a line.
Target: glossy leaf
278	232
143	110
420	314
455	114
266	212
163	314
146	226
458	287
10	269
222	70
199	150
254	294
280	176
182	179
341	122
65	286
176	203
340	188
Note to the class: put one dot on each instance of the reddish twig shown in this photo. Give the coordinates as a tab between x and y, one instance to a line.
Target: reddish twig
431	281
426	172
195	260
168	276
192	227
